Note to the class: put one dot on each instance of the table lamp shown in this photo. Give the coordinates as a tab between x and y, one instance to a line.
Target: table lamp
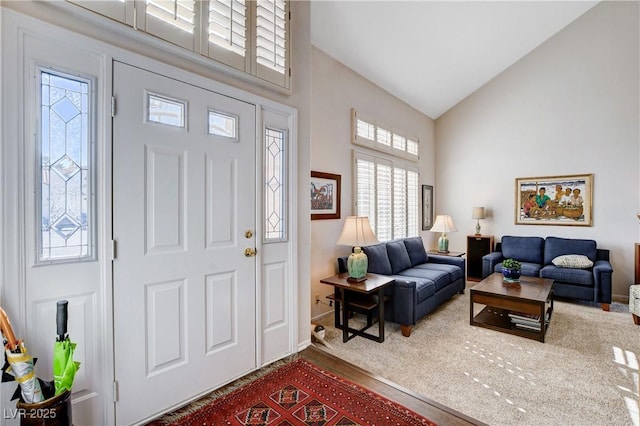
357	233
443	224
478	213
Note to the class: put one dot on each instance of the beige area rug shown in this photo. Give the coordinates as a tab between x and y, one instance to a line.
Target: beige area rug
586	373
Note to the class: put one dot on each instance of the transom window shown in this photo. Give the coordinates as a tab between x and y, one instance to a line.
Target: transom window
64	184
251	36
366	132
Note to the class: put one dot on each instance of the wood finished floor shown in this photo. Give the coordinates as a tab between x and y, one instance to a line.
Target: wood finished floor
421	405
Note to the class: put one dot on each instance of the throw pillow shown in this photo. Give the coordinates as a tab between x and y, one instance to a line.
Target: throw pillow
572	261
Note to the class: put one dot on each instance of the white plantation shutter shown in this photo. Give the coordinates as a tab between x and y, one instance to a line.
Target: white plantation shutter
412	147
399	142
387	193
366	188
117	10
171	20
272	52
413	215
399	203
384	223
227	33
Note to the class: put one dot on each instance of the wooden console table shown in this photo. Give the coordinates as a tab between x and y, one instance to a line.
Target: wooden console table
365	295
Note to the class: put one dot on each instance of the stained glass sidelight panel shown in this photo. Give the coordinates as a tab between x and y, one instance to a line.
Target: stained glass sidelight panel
65	163
275	186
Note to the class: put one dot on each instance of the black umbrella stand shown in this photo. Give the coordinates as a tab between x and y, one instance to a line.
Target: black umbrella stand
54	411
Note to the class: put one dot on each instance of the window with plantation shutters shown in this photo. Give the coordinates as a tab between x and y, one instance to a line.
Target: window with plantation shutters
227	33
271	40
170	20
368	132
249	35
387	193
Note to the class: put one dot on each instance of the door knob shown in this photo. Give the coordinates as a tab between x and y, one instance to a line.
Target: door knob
249	252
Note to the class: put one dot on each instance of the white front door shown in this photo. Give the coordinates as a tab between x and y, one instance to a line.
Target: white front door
184	174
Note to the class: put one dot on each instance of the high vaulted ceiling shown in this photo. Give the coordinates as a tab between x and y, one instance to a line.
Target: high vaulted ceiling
433	54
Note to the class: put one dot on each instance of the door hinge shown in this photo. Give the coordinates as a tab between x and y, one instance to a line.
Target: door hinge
115	391
113	250
113	106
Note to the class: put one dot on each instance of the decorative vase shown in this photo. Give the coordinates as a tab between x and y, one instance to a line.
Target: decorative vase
511	274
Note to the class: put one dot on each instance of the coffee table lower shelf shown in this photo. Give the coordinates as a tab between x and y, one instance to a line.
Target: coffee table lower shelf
498	319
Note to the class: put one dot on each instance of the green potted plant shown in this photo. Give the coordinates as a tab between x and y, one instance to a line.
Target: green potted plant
511	270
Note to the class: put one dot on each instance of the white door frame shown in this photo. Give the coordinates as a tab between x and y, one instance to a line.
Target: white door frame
12	227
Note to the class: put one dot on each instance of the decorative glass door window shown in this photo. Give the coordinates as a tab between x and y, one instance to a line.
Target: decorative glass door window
221	124
64	184
275	185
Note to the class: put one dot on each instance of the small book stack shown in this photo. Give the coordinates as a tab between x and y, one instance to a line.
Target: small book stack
527	321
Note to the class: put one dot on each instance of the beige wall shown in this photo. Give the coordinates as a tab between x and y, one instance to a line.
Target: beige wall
335	89
569	107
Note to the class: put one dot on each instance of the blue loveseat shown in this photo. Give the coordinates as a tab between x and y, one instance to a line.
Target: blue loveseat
539	256
422	282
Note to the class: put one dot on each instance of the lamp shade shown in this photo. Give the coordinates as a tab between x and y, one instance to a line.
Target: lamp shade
478	213
443	223
357	232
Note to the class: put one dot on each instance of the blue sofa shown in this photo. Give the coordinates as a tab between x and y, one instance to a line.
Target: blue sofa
422	282
537	257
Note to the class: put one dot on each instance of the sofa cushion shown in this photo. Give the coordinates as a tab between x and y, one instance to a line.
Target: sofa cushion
583	277
455	272
523	249
528	269
439	278
398	256
378	259
573	261
415	248
554	247
425	288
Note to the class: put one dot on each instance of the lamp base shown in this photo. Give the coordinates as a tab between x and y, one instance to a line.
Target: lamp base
478	228
357	264
443	243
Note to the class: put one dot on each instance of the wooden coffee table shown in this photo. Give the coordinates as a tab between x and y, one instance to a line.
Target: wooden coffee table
523	308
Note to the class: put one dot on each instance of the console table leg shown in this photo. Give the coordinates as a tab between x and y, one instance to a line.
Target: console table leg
345	316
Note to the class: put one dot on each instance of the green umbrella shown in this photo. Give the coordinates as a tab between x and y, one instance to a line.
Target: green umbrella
64	367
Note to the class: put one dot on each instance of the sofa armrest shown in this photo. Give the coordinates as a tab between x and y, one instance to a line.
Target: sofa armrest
602	272
404	301
448	260
342	264
489	262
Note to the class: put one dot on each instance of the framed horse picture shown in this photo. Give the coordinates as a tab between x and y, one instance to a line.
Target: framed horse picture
325	196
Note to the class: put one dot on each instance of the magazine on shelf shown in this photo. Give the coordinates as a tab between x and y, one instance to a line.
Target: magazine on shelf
527	321
529	327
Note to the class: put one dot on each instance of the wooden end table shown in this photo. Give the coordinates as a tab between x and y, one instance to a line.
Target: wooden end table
513	308
365	295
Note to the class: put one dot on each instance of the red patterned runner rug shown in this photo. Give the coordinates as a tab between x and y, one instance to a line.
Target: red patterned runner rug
300	393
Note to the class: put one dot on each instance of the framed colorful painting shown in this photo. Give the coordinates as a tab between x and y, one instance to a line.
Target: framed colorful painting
325	196
554	200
